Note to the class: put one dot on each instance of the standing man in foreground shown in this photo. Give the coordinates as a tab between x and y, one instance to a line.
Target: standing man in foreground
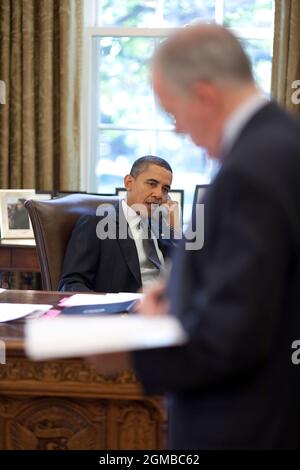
234	384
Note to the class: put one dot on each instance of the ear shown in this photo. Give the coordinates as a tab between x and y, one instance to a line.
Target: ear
207	94
128	182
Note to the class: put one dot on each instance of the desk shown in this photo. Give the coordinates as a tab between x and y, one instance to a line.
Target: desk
66	404
16	256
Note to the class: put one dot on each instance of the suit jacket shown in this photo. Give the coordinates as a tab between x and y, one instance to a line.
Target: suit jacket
233	385
104	265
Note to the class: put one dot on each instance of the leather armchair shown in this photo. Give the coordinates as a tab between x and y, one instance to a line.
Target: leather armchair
52	222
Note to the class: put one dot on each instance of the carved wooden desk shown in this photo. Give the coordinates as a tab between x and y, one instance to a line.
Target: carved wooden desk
66	404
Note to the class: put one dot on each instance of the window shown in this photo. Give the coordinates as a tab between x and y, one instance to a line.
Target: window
123	120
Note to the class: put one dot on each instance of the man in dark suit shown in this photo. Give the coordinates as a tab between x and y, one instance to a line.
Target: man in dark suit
234	383
123	260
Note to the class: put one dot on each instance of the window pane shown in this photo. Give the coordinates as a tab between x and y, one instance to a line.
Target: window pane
181	12
128	12
190	164
260	53
185	156
248	13
123	74
123	98
117	150
149	13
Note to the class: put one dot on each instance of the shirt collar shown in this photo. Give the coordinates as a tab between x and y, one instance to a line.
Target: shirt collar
238	120
131	216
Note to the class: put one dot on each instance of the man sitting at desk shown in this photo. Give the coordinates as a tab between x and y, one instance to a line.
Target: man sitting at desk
124	262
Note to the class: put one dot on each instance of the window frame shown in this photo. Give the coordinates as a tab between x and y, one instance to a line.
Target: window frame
90	90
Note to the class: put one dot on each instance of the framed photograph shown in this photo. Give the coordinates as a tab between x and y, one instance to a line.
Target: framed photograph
199	192
14	218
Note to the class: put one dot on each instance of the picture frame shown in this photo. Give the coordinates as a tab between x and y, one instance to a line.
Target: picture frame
199	192
121	192
14	218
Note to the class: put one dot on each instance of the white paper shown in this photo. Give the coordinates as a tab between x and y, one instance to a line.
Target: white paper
76	336
10	311
95	299
2	290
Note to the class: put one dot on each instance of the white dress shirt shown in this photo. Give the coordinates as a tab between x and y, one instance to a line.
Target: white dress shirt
238	120
149	273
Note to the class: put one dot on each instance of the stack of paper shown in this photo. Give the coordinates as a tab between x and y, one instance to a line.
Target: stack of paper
80	336
10	311
97	299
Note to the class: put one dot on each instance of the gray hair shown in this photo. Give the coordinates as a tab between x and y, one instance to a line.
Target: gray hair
203	52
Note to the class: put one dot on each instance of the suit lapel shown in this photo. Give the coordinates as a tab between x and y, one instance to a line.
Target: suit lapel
127	245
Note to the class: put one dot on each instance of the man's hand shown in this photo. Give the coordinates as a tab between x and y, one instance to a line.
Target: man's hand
155	301
173	213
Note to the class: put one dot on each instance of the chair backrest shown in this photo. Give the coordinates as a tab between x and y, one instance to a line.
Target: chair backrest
52	222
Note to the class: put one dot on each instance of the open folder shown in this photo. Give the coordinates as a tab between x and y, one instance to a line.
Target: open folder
101	309
76	336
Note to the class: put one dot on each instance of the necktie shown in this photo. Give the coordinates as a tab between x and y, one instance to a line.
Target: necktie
149	245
